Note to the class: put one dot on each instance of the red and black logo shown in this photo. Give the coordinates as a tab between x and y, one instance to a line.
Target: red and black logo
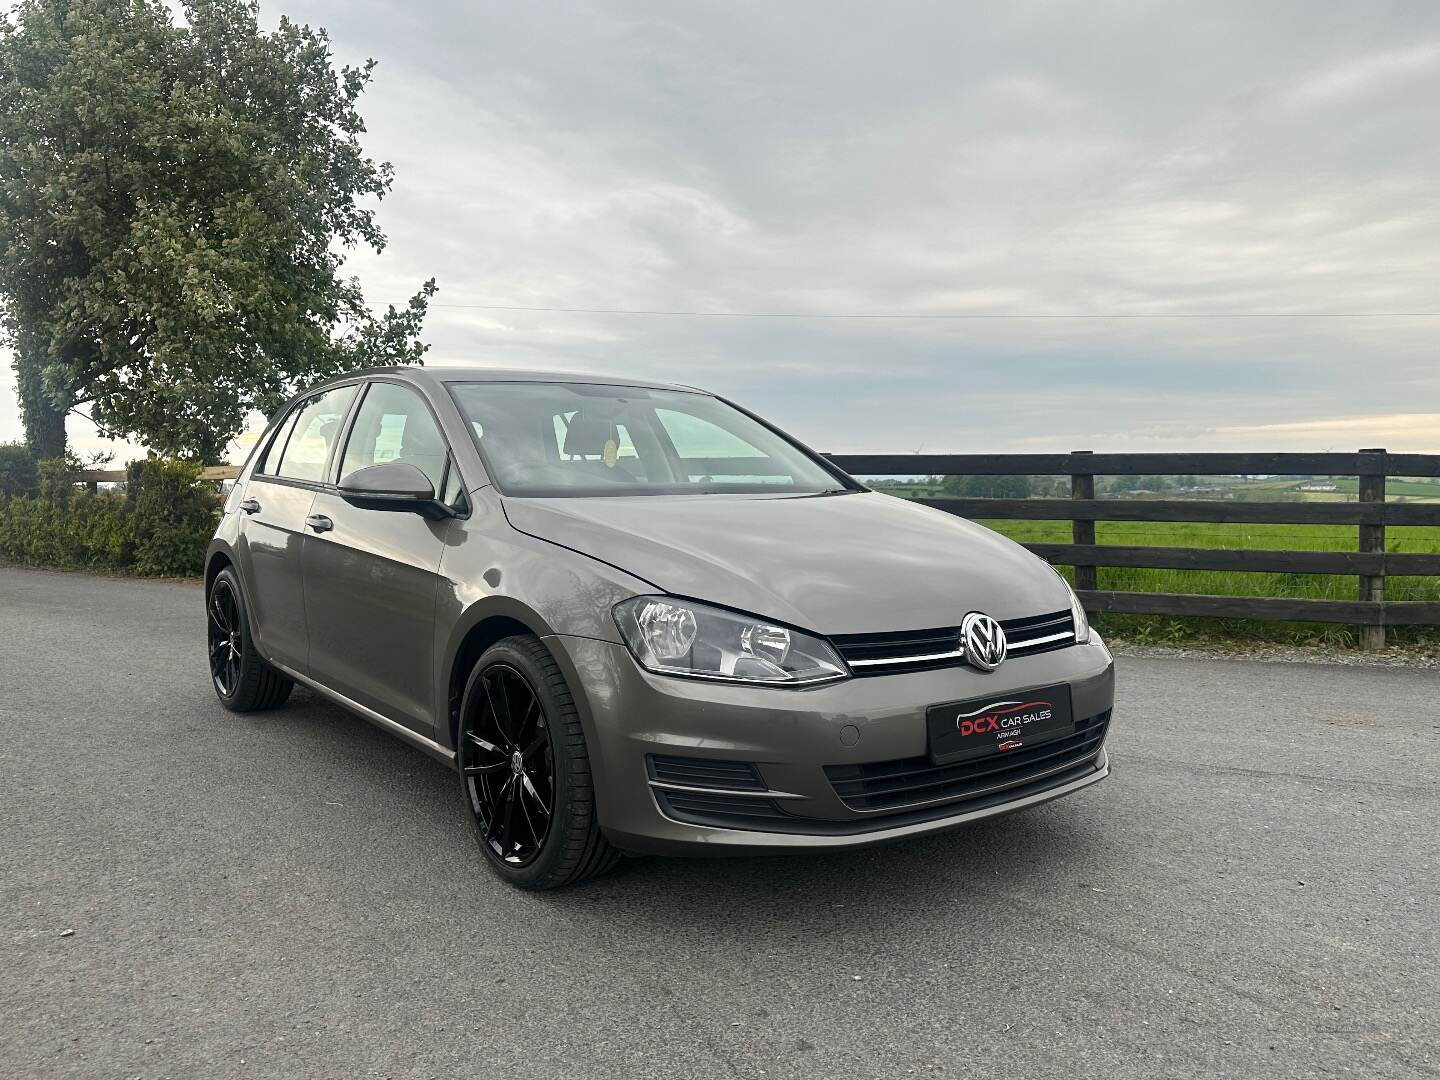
1004	718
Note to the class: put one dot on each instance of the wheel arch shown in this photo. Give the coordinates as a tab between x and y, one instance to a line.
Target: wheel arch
483	624
219	557
216	559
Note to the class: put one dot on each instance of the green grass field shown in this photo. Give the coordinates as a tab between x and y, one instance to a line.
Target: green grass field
1349	487
1236	583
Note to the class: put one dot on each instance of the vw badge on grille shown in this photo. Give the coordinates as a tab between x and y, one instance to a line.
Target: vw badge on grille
983	640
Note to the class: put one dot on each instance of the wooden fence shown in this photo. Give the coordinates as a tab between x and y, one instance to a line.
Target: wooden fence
1371	513
93	478
1370	562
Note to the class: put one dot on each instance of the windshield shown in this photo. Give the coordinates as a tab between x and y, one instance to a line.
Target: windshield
584	439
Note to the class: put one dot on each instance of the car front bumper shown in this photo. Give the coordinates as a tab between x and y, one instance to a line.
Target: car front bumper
790	737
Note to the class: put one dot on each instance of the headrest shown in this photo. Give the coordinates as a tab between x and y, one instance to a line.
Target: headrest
419	437
587	436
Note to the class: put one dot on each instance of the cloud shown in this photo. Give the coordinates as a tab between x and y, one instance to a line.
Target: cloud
1399	431
1365	75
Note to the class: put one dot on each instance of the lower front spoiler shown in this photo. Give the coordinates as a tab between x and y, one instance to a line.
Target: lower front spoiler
690	839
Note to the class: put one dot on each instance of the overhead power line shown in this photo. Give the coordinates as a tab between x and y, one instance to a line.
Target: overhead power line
956	315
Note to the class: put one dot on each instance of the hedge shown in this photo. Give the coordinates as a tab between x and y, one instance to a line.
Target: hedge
18	473
159	524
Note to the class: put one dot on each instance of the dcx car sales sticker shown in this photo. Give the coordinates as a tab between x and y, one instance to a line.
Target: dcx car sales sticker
998	724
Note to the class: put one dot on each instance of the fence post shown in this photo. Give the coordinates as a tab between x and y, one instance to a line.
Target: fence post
1372	539
1082	486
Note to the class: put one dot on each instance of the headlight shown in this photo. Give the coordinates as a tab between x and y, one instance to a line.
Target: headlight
681	637
1082	623
1077	612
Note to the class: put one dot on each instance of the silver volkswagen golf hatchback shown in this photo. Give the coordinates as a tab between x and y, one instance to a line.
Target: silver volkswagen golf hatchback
634	617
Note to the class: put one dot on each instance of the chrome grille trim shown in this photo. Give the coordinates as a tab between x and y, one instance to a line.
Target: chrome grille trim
735	793
1020	646
906	659
1055	630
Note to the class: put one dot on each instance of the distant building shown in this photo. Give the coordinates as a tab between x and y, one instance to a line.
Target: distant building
1318	485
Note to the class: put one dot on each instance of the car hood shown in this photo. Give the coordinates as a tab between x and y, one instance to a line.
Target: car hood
838	564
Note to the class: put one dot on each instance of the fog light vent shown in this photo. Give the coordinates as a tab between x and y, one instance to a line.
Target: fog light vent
705	773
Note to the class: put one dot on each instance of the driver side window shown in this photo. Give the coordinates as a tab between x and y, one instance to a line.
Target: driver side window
394	425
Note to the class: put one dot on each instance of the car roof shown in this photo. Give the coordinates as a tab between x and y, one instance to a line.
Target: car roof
437	376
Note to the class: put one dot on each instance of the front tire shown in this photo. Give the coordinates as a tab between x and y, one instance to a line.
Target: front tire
525	770
243	681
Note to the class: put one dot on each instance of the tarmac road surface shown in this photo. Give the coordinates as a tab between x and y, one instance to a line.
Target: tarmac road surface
295	894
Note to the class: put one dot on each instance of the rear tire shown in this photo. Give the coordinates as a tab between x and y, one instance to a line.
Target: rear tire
243	681
525	770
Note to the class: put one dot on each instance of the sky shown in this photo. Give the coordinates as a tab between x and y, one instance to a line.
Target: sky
1151	226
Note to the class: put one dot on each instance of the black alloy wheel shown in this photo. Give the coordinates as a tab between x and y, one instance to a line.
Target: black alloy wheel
525	770
224	638
509	767
243	681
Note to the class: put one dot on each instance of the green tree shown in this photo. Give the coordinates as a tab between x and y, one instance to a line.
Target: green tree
175	202
988	487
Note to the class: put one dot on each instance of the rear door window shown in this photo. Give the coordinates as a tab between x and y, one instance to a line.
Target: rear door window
316	426
270	461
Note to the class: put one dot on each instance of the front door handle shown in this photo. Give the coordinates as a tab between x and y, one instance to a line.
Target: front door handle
319	522
250	506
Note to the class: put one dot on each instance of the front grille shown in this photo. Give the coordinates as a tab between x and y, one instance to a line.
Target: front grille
906	782
1040	633
704	772
924	650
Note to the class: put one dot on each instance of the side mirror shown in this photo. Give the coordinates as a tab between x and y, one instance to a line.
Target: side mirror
396	486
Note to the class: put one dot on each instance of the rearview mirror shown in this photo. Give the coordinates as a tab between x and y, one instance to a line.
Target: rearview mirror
397	485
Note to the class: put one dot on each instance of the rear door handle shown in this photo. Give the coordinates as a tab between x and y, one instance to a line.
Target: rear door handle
319	522
250	506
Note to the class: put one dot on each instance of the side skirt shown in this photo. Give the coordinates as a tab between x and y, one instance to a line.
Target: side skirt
400	731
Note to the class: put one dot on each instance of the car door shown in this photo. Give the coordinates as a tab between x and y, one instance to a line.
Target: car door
371	575
275	503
